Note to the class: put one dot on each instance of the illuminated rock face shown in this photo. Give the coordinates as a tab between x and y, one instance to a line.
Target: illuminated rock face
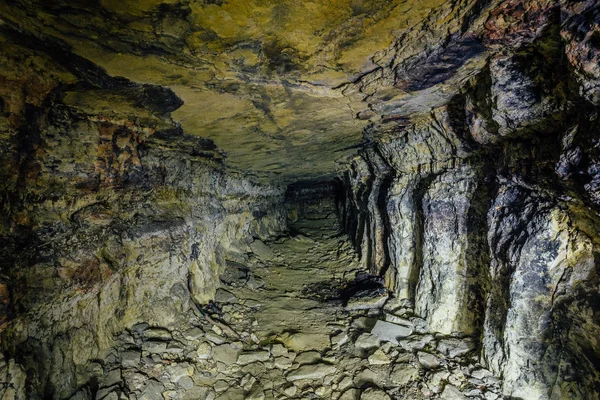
281	199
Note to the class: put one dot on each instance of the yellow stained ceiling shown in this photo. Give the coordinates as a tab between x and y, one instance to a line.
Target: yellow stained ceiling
261	78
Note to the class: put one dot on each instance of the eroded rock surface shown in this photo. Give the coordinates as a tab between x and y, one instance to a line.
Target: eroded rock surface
280	199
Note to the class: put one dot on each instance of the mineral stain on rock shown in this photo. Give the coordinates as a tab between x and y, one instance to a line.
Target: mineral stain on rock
242	199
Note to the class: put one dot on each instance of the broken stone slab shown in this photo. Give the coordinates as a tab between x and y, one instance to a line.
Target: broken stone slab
251	357
225	353
427	360
131	358
364	323
291	391
111	378
403	374
152	391
350	394
368	377
225	297
278	350
308	357
213	337
394	319
179	371
452	393
339	339
415	342
454	347
263	251
374	394
186	382
389	332
312	372
345	383
193	333
157	334
247	382
367	341
365	303
283	363
154	347
204	351
379	358
481	373
306	341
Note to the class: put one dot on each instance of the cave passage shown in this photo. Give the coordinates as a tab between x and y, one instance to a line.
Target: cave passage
300	200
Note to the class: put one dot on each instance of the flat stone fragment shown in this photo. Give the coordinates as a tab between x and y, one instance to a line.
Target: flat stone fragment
249	358
350	394
379	358
339	339
153	391
225	353
283	363
389	332
308	357
131	358
367	341
263	251
452	393
374	394
306	341
455	347
278	350
204	351
157	334
403	374
112	378
225	296
365	303
313	371
428	360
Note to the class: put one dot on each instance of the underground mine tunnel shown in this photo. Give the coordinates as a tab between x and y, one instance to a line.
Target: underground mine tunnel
277	199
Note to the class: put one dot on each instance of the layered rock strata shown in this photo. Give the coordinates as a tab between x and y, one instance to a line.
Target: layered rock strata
481	215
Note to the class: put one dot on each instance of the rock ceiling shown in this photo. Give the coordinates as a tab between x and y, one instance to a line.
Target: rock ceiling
284	88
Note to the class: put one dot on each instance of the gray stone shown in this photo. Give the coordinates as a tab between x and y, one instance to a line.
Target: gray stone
224	296
367	341
113	377
312	372
251	357
263	251
225	353
379	358
152	391
366	303
283	362
389	332
428	360
154	347
157	334
403	374
308	357
350	394
452	393
374	394
455	347
131	358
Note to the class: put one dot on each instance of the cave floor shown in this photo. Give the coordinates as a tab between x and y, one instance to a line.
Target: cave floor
300	320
